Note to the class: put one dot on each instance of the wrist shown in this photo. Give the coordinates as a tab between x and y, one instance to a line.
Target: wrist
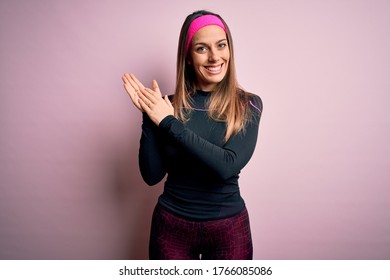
165	119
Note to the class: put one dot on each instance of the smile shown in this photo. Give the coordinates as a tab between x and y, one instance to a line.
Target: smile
214	69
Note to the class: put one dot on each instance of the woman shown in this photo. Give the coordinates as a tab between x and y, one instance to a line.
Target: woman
202	137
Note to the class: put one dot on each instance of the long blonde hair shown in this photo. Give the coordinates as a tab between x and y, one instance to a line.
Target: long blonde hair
228	102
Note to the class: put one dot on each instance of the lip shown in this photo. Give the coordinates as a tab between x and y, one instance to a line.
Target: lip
214	69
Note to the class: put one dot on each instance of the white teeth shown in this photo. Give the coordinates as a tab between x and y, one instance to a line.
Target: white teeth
214	69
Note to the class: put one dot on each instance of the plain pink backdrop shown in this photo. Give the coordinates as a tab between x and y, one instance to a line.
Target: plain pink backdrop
317	186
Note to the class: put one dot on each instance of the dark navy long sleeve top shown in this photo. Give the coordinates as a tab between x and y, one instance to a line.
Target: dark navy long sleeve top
202	170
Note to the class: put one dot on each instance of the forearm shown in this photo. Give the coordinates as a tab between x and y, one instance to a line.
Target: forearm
225	161
150	159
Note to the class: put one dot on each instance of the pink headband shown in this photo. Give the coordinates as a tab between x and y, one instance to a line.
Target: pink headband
201	22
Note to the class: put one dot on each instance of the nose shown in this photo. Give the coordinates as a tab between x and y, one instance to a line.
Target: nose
213	55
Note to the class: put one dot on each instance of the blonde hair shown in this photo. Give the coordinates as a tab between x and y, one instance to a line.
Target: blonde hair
228	102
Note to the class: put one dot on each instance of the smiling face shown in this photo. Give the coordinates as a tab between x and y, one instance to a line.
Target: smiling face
209	55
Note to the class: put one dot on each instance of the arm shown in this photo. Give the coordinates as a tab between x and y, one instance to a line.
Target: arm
226	161
154	108
150	161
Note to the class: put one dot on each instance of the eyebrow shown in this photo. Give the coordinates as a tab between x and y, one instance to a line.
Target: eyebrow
202	43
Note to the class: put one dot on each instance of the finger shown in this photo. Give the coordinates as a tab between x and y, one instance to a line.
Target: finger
126	79
136	82
145	97
144	106
156	87
152	95
131	87
166	99
130	91
133	96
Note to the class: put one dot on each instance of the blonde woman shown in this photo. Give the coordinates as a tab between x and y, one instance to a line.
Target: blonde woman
201	137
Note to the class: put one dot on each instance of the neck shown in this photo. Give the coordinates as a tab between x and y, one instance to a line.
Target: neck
207	88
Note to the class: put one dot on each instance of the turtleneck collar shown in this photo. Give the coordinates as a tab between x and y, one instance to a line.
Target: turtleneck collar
202	92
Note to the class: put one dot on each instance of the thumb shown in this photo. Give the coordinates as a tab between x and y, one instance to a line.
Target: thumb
168	101
155	86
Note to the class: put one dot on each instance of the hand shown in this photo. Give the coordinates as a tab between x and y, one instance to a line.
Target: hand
132	89
148	100
152	102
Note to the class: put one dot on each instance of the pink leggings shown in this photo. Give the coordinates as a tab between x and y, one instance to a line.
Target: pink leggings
175	238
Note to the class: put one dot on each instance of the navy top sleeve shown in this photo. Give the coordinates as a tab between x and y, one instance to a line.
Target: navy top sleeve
150	157
226	160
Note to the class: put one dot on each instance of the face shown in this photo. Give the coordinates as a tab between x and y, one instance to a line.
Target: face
209	55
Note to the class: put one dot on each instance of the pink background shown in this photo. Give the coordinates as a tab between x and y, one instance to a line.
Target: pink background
317	186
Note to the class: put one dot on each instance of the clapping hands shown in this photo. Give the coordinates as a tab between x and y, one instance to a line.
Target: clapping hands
148	100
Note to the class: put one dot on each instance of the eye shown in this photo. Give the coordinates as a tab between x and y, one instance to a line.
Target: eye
222	45
201	49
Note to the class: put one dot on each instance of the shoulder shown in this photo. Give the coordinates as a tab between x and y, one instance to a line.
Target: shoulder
253	101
